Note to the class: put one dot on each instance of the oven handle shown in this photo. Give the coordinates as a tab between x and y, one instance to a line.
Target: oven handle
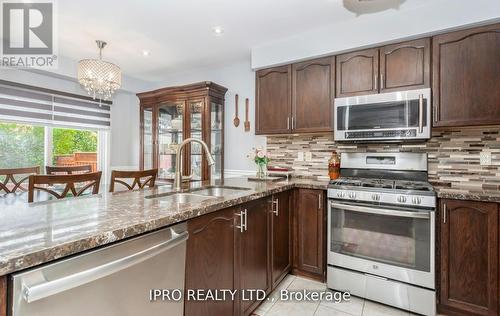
371	210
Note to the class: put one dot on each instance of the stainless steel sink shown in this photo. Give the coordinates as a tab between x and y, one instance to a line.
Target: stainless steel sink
180	198
219	191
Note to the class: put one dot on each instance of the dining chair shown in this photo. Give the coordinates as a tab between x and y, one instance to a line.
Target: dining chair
46	184
16	184
61	170
148	176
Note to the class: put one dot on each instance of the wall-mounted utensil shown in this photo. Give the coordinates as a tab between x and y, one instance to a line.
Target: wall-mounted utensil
236	120
247	122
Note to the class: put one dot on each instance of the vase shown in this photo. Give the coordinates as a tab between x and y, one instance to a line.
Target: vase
261	171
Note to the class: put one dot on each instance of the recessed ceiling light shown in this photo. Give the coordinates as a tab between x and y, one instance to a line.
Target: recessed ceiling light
218	30
145	53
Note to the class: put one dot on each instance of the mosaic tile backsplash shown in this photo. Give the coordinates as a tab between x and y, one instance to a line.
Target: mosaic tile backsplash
453	155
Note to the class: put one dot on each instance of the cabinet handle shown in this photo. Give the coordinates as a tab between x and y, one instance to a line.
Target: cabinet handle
288	122
293	122
277	208
444	213
246	218
319	201
381	81
243	221
376	83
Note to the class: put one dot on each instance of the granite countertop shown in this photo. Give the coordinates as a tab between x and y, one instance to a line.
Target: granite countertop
447	192
36	233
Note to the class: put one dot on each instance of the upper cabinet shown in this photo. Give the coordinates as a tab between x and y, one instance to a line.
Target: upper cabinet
296	99
357	73
273	96
402	66
405	65
313	90
466	77
170	115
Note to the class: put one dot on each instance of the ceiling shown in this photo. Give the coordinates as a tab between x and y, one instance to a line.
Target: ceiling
178	33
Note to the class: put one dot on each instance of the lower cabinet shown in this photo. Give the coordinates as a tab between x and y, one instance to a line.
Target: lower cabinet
253	249
3	295
210	258
281	224
469	250
309	224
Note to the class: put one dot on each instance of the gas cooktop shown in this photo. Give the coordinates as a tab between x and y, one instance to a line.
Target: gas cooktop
382	184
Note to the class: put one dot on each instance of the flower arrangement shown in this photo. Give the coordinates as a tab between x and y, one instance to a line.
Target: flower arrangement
259	156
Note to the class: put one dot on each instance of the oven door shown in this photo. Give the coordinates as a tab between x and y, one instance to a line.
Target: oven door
387	116
391	242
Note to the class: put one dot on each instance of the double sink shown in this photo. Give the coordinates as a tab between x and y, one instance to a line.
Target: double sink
197	195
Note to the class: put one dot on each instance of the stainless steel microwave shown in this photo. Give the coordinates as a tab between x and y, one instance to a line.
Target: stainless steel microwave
394	116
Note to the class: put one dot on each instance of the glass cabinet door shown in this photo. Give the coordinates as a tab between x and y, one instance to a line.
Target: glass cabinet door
216	145
170	135
147	138
196	131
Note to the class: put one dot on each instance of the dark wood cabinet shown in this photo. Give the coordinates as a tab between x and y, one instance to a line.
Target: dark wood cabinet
281	223
466	77
357	73
313	91
272	100
469	250
309	234
170	115
253	252
3	295
210	260
405	66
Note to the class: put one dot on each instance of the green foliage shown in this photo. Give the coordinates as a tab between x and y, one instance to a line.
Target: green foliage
68	141
21	145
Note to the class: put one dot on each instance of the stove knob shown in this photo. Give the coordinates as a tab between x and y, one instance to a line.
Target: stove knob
352	195
341	194
376	197
402	199
416	200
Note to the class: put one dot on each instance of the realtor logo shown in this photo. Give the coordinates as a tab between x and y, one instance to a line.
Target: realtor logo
28	30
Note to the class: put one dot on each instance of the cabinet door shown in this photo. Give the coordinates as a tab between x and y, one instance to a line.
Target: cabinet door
170	133
253	258
313	89
466	72
469	257
281	219
210	260
405	66
273	100
357	73
148	150
3	295
310	232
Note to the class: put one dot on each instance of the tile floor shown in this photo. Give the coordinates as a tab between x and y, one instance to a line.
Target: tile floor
355	307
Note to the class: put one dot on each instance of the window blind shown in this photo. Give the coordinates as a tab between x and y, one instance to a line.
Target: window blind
30	105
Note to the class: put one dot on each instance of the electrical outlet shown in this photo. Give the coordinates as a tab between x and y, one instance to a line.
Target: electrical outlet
308	156
485	158
300	156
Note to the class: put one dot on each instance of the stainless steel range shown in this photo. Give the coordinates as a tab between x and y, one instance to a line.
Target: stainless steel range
381	232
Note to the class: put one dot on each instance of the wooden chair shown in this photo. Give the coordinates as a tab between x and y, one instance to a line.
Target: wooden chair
42	183
10	175
150	176
62	170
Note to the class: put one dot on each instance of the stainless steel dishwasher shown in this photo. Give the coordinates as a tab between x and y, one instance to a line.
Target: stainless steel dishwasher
114	280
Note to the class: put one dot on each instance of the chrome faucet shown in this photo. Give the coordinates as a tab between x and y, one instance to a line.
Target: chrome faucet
178	168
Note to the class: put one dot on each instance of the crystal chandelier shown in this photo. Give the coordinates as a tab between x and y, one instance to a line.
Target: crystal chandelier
98	77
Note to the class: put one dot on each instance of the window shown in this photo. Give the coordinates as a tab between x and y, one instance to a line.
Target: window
21	145
25	145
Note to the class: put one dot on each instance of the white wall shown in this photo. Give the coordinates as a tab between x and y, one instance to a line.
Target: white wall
379	28
124	149
239	78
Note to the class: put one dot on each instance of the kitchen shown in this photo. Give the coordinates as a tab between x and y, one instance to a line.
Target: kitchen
327	152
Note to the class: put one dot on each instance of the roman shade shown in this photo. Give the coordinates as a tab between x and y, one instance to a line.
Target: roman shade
35	105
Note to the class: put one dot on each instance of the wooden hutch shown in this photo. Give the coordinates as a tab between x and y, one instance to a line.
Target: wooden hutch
170	115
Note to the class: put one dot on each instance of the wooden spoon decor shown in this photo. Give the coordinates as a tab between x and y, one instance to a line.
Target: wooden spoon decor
236	120
247	122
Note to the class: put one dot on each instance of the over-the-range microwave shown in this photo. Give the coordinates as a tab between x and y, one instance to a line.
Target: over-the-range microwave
394	116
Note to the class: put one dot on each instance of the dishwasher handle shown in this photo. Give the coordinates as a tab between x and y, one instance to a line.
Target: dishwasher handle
36	292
